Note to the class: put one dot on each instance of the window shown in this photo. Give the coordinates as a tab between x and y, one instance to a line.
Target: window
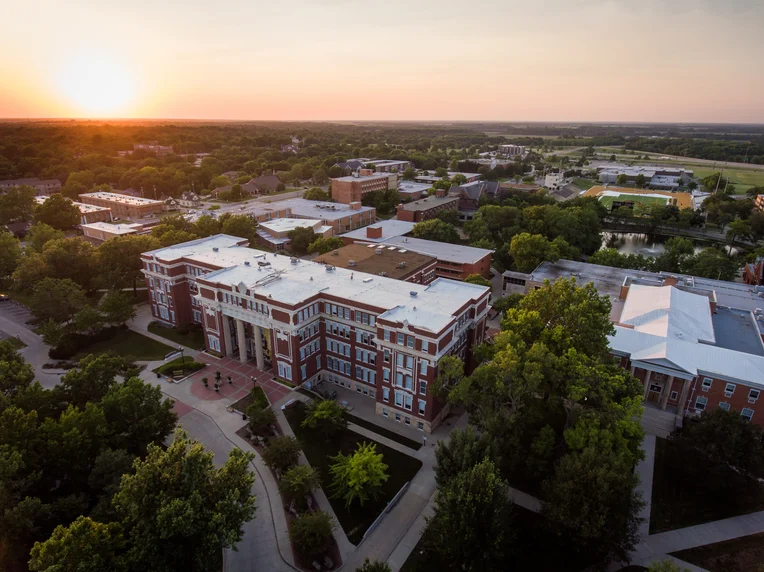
399	359
700	403
423	367
420	426
753	395
422	388
385	394
164	313
707	381
422	404
425	346
385	412
400	339
398	417
399	379
746	413
407	401
358	387
285	371
409	382
729	389
214	342
724	405
674	395
410	341
304	371
318	362
407	420
386	374
409	362
399	399
387	335
386	356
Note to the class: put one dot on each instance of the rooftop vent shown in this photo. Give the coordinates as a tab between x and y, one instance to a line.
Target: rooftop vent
215	249
261	263
294	260
329	268
367	280
351	262
378	251
383	273
413	293
335	252
246	263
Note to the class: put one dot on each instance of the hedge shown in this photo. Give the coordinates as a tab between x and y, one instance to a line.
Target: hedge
175	365
71	343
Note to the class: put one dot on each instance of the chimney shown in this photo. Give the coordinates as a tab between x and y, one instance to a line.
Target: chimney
355	206
439	193
373	232
669	281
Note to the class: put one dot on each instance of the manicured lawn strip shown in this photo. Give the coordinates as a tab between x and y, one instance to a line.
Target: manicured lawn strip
192	339
130	345
392	435
739	554
355	521
186	364
584	184
607	201
680	500
16	343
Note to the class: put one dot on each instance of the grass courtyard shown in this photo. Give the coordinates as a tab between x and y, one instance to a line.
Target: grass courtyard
401	469
191	338
129	345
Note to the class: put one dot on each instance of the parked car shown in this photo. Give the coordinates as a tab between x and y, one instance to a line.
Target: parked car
4	298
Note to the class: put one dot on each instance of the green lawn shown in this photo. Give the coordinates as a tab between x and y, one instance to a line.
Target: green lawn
684	493
737	555
191	339
743	179
185	364
16	343
641	199
392	435
130	345
356	521
585	184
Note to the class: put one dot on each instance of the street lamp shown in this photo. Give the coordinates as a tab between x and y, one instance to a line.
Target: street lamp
180	349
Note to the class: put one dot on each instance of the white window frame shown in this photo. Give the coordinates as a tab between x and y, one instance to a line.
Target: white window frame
747	413
724	405
729	392
707	382
701	401
214	342
751	398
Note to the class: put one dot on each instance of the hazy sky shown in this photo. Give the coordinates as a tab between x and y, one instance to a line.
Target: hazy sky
540	60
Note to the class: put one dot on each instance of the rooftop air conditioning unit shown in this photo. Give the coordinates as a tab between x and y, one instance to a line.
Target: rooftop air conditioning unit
294	260
413	293
246	263
335	253
383	273
351	262
329	268
378	251
215	249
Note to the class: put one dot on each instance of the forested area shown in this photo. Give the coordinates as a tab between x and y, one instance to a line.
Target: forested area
750	151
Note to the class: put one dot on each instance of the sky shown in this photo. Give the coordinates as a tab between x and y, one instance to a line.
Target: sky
450	60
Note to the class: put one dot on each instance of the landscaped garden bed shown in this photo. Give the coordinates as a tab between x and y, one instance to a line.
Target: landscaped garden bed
179	367
257	396
318	450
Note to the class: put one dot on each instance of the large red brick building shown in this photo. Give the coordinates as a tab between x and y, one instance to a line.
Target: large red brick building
694	343
377	336
426	208
353	188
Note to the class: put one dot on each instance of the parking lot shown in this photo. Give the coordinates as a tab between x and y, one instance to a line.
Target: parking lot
15	312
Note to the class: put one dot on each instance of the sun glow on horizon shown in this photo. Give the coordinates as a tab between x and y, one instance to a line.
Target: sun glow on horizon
96	84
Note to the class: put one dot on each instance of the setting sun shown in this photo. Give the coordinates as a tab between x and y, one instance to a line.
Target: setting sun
96	84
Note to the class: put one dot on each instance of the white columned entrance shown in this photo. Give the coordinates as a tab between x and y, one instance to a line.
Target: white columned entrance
240	334
224	323
666	392
648	375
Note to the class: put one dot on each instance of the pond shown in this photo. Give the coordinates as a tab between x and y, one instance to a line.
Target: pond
647	244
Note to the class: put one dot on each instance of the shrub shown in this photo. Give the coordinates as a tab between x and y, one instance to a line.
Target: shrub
360	475
282	453
70	343
298	481
175	365
260	420
311	534
328	417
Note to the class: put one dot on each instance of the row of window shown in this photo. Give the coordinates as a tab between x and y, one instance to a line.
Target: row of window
309	332
194	271
158	296
365	338
404	400
367	375
338	347
406	418
156	268
729	389
364	318
310	349
358	387
366	356
339	365
307	313
258	307
339	311
701	403
339	330
405	340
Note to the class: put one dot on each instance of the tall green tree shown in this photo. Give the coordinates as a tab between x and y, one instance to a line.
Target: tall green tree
311	533
40	234
472	527
119	259
436	229
116	307
325	416
301	237
57	299
58	212
358	476
10	254
324	245
17	204
463	450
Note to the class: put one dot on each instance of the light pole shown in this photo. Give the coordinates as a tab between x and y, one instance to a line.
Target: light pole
180	349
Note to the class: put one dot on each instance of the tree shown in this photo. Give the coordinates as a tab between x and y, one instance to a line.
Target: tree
477	279
622	179
260	419
317	194
676	252
83	546
242	226
326	416
91	381
59	212
219	181
57	299
324	245
450	216
207	225
506	302
465	449
17	204
15	374
320	178
178	510
87	321
360	475
116	307
530	250
299	481
40	234
458	179
436	229
640	180
311	533
711	263
10	254
71	258
603	524
120	259
472	526
376	566
738	229
409	174
450	372
282	453
665	566
302	237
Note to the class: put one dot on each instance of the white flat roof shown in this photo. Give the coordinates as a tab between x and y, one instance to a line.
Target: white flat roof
321	210
114	228
82	206
390	228
124	199
287	224
441	250
431	307
363	177
406	187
